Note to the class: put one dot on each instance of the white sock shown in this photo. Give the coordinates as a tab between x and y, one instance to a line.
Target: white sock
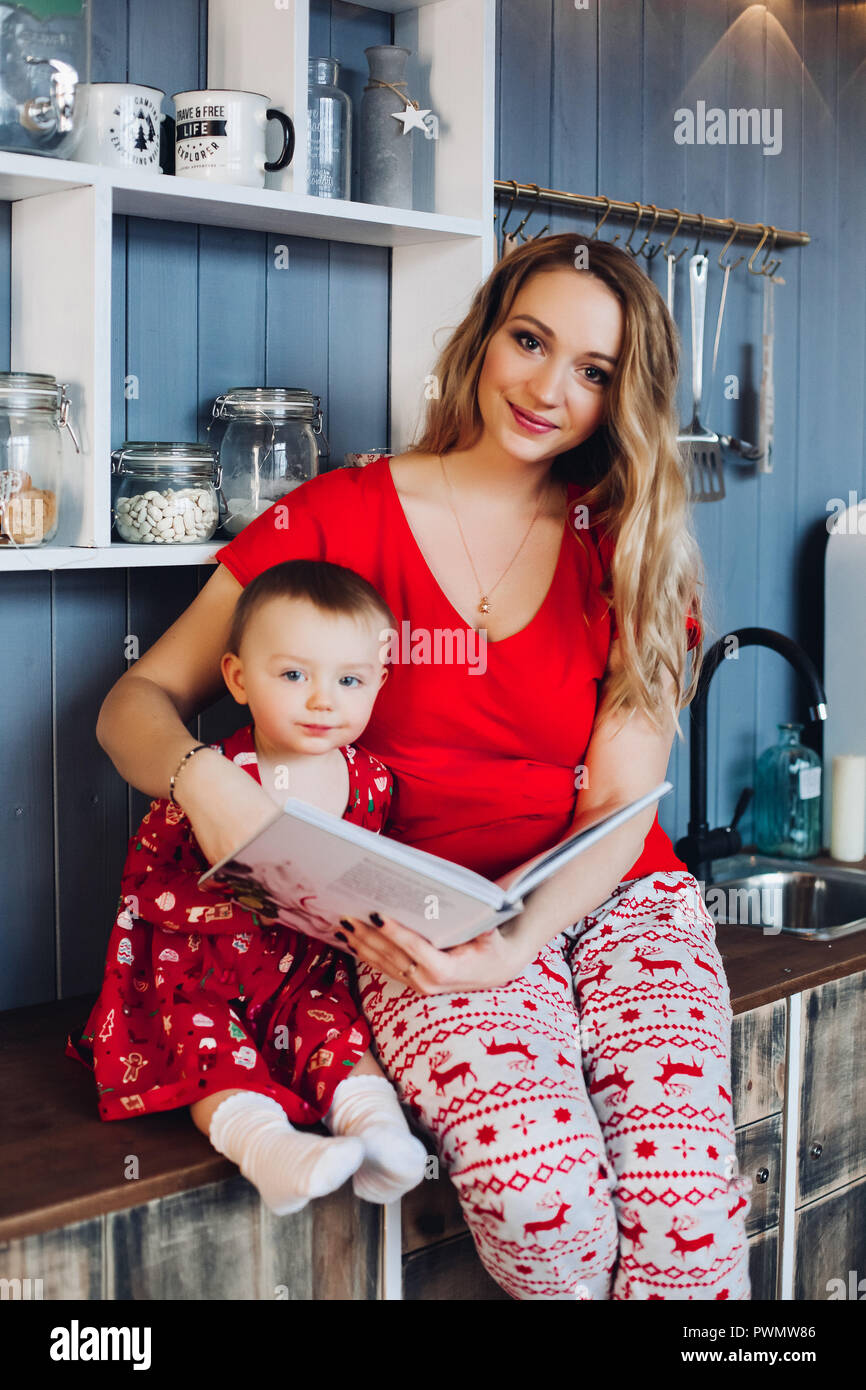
367	1107
286	1166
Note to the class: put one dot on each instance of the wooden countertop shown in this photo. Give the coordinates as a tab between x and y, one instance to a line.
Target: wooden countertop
761	968
61	1163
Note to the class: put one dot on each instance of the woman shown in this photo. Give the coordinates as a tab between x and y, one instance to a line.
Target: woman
573	1066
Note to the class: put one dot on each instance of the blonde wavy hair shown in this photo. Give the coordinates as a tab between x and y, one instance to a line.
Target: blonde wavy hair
637	488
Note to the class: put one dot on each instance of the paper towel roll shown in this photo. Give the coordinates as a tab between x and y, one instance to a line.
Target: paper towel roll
848	827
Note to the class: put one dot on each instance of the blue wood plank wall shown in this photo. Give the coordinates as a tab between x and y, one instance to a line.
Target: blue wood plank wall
586	97
585	101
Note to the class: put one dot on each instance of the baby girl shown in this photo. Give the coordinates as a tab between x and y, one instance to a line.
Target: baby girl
204	1002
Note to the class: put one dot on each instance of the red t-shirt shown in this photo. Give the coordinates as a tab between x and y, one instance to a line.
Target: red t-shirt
485	760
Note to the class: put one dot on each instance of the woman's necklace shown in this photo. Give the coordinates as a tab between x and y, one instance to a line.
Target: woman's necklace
484	604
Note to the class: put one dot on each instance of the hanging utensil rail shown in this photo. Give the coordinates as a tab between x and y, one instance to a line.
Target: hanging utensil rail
681	221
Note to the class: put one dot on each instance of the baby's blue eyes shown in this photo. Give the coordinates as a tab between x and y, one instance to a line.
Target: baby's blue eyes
292	674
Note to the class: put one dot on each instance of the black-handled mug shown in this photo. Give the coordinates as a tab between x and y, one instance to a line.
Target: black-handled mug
284	158
220	135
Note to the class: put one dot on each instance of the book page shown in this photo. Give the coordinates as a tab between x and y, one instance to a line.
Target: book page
307	879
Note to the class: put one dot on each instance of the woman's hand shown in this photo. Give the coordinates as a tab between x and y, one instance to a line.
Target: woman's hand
224	805
488	961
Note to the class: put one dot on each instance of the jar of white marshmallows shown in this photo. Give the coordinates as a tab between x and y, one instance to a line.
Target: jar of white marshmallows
168	492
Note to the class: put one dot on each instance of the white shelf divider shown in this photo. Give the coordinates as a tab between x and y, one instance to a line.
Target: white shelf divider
293	214
118	555
261	46
431	290
61	323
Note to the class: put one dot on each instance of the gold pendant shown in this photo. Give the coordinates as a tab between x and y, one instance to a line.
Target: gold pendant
484	606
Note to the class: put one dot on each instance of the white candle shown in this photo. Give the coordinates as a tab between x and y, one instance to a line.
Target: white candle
848	826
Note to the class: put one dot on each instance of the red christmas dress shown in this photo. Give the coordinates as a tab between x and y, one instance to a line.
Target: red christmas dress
198	996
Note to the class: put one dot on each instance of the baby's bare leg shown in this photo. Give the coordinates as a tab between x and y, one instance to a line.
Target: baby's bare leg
202	1110
366	1066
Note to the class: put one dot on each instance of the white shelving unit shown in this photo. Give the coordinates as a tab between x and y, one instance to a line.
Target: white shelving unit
62	240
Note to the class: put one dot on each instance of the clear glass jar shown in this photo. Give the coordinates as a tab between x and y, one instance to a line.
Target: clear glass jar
33	407
269	447
44	62
330	118
788	797
168	492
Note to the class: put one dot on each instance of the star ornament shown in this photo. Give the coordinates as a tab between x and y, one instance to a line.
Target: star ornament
411	116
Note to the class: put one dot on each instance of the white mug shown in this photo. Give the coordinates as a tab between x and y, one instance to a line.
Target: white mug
122	126
221	135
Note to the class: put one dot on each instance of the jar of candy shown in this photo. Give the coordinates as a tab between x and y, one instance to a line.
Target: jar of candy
269	446
168	492
33	408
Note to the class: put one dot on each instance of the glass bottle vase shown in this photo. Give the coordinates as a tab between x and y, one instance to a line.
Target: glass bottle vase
330	117
788	797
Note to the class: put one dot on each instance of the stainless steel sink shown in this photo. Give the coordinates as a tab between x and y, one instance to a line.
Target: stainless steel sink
786	895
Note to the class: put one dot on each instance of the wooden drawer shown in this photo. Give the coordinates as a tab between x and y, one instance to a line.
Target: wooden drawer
832	1088
763	1265
218	1241
431	1211
830	1245
759	1150
758	1062
449	1271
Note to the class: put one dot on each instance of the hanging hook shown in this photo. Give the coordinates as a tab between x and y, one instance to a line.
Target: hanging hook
513	183
697	251
667	243
751	265
519	230
508	237
604	216
773	272
639	209
725	265
640	250
770	269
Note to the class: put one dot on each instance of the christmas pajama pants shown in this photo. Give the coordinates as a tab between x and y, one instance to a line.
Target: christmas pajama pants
583	1112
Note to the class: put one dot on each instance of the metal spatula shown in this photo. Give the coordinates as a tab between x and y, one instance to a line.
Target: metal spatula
703	455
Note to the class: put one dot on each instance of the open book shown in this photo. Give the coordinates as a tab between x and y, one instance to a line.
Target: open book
308	868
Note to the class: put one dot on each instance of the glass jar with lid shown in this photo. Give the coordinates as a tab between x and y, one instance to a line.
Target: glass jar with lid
44	64
33	408
269	446
168	492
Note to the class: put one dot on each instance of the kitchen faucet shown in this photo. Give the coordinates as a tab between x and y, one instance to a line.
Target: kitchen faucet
702	845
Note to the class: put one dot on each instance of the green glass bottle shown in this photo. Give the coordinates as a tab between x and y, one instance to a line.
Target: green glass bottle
788	797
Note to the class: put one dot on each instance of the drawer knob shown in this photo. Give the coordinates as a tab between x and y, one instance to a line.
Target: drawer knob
816	1150
762	1175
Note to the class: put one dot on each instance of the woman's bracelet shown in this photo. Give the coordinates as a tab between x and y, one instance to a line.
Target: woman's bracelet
174	776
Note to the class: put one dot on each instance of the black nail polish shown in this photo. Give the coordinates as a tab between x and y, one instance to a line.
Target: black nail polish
347	925
376	919
340	936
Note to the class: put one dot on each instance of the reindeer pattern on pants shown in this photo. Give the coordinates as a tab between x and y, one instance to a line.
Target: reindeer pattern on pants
584	1111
